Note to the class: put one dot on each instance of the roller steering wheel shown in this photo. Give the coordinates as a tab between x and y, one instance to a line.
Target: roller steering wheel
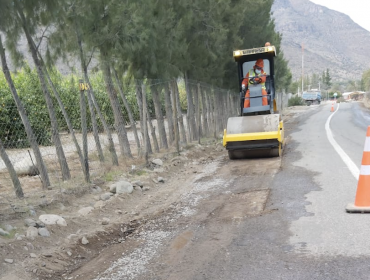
255	80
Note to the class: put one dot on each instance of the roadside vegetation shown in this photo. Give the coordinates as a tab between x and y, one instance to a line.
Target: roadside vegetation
296	101
137	60
329	86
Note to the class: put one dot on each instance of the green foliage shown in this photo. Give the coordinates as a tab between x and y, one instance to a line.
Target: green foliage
165	40
293	87
11	233
169	39
182	94
139	172
341	99
326	79
28	87
296	101
111	175
366	80
336	87
331	94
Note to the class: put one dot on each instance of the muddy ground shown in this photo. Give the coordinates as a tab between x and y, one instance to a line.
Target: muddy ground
138	222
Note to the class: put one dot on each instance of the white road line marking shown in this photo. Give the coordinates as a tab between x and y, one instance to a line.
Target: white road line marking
346	159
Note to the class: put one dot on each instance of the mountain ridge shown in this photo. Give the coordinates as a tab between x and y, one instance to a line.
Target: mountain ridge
331	40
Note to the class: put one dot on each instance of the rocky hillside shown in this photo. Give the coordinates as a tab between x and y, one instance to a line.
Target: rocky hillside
331	39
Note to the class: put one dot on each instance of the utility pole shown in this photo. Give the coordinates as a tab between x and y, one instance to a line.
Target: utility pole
302	66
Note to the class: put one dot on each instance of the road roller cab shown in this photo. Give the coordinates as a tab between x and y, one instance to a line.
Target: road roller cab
246	60
258	131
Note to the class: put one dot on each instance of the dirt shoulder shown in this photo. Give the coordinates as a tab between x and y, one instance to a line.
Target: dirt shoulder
96	220
89	216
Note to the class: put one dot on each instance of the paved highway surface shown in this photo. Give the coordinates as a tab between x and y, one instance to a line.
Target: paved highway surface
268	218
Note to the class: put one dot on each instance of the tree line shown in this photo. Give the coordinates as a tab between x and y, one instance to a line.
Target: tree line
365	81
326	83
133	41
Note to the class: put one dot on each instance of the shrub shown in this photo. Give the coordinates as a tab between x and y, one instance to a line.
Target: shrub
27	83
12	130
296	101
340	100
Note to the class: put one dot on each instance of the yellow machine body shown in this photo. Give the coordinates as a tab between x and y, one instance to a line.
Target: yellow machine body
259	130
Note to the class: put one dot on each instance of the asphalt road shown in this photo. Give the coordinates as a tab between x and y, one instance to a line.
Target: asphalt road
311	236
267	218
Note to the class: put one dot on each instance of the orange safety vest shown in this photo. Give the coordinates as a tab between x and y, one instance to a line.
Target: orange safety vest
251	74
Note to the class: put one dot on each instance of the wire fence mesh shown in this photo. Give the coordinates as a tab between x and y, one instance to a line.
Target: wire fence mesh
99	125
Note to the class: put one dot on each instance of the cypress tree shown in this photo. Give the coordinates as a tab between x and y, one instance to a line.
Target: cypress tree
27	17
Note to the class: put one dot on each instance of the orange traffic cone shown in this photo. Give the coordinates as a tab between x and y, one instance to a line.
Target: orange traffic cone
332	107
362	201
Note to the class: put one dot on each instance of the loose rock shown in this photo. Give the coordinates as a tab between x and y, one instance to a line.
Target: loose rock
96	189
30	246
158	170
99	204
50	219
112	188
157	161
19	236
123	187
105	221
138	184
30	222
160	179
85	211
40	224
3	232
33	255
106	196
84	241
8	228
32	232
44	232
9	260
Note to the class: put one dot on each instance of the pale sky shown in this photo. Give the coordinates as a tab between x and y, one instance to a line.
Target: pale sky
357	10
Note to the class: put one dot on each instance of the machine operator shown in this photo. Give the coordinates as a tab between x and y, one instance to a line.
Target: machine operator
255	76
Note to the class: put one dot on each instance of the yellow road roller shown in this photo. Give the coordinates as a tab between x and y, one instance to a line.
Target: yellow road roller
258	131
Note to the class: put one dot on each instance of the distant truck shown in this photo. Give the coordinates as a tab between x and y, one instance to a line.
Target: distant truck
312	97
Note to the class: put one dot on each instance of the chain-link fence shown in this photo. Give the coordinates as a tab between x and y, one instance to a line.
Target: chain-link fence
91	125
